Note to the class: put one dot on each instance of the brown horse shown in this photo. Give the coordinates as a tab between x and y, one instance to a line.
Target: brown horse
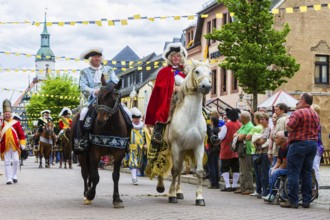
65	146
47	138
109	135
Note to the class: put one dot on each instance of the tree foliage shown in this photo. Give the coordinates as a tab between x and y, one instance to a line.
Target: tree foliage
253	49
56	86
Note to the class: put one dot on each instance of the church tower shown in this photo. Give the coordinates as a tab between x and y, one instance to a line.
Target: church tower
45	58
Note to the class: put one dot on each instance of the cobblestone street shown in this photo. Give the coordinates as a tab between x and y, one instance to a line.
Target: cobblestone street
57	194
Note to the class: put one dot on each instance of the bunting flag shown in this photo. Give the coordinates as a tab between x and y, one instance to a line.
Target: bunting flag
124	22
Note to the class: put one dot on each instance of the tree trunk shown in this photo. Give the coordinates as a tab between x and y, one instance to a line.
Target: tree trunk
255	102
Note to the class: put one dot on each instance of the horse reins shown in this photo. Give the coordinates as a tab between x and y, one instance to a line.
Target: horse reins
107	109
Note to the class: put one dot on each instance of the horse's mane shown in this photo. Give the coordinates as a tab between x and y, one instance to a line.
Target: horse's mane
187	87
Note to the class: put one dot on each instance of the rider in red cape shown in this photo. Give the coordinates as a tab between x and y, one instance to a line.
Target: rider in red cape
168	77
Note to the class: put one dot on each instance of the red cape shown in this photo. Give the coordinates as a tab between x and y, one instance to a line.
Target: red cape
160	100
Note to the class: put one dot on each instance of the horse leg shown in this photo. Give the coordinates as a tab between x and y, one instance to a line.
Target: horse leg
85	174
160	184
199	153
179	193
94	175
47	155
176	155
40	155
117	202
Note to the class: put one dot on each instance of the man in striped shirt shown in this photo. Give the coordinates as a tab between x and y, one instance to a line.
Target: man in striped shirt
302	137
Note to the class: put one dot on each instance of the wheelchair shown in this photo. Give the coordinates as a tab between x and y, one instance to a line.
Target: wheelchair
281	192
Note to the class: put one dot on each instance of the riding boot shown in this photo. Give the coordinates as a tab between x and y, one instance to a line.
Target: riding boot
81	143
157	136
36	140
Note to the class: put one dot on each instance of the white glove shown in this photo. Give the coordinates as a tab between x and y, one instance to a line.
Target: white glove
22	147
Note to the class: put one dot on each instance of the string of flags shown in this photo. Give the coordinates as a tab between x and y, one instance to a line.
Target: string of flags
124	22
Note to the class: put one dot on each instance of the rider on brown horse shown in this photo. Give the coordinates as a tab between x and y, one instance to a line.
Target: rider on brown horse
42	121
90	82
64	122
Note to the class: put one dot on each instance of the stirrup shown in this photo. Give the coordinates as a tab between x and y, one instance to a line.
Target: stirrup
157	138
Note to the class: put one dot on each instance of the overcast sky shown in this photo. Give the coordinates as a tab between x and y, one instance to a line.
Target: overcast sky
143	36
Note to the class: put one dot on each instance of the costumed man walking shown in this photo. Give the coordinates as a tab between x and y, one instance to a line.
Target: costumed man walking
140	140
90	84
168	81
12	140
42	121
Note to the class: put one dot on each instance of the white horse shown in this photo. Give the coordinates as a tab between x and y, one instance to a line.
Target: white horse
187	128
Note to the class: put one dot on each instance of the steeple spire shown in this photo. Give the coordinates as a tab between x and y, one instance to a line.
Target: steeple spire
45	35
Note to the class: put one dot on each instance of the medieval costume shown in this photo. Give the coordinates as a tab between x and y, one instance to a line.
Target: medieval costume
139	142
160	100
90	83
12	140
65	121
42	121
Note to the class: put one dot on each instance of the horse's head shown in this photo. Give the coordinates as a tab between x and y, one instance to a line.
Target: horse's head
107	102
200	76
49	128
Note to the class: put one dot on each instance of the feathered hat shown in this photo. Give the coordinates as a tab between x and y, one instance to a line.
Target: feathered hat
45	111
135	112
6	106
91	52
174	47
65	111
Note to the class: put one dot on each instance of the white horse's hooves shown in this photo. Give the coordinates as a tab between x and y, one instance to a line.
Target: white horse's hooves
172	200
179	196
118	205
200	202
87	202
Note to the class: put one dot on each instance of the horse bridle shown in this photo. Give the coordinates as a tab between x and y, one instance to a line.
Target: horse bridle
106	108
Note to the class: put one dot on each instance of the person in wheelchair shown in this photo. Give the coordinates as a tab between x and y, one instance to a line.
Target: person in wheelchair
279	169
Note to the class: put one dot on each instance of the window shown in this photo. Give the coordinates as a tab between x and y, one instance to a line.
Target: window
141	77
128	81
214	82
224	19
214	25
223	87
234	83
321	74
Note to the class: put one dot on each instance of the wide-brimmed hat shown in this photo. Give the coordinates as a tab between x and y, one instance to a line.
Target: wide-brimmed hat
175	47
91	52
6	106
65	111
45	111
135	112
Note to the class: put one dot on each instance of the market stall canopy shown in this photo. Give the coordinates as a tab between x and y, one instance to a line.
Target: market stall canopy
279	97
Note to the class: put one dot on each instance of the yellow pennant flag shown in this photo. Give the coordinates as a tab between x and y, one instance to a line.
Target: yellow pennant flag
49	24
105	62
289	10
98	23
191	17
85	22
163	17
137	17
303	8
204	15
111	23
176	18
275	11
317	7
151	19
219	15
123	22
72	23
7	53
123	69
61	24
17	54
148	68
114	62
232	14
123	63
37	24
139	68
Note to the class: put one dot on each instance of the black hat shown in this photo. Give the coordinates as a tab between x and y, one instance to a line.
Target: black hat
232	114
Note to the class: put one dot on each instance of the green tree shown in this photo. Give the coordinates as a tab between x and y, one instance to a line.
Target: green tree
50	96
253	49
